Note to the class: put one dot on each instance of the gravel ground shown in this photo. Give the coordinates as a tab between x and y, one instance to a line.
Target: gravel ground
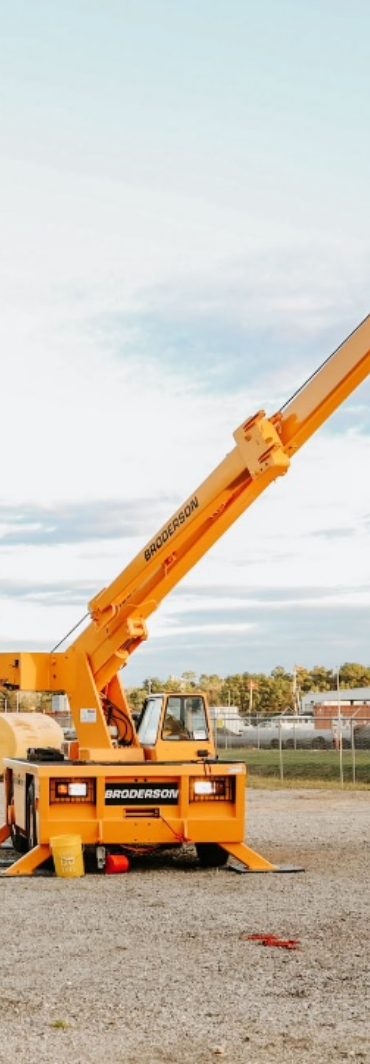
153	967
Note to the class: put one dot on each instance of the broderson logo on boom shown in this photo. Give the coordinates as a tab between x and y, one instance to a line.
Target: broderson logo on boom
178	520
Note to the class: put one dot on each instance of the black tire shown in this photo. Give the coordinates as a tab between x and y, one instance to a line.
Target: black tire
31	816
211	855
274	745
90	862
19	842
319	743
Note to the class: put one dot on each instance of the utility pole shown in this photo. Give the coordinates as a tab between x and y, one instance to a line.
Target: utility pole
340	737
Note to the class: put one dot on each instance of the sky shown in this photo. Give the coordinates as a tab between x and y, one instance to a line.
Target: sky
184	239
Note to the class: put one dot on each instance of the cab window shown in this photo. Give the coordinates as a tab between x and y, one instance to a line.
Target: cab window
185	719
148	727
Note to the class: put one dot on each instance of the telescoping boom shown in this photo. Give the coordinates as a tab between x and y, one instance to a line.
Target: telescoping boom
112	756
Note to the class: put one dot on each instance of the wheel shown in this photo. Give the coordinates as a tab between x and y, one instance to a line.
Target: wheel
211	855
274	745
31	816
19	842
319	743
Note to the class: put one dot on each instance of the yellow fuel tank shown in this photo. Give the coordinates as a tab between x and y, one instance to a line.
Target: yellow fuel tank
19	731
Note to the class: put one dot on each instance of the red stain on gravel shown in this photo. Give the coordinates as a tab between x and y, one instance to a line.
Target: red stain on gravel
272	940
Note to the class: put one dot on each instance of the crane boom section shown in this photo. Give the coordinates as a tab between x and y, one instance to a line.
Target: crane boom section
332	383
263	449
119	612
262	452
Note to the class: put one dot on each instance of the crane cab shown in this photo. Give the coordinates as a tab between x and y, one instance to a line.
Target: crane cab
175	727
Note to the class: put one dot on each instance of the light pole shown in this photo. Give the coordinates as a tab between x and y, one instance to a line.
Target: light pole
296	689
340	737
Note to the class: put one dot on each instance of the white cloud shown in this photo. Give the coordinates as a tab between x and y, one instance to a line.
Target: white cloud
117	251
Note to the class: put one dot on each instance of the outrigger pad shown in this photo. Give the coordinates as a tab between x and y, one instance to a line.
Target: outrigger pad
28	863
242	869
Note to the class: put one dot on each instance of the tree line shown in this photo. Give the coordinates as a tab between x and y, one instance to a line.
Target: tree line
252	692
278	692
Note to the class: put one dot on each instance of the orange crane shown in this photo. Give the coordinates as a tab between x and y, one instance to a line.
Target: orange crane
126	788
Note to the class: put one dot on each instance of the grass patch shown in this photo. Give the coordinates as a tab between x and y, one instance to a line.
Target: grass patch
303	768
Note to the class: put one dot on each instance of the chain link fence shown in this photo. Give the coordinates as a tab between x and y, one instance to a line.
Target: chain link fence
348	738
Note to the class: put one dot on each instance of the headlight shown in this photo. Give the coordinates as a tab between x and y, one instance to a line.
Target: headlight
204	786
77	790
217	789
72	790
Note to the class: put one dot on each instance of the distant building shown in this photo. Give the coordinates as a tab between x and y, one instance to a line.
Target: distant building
325	706
346	696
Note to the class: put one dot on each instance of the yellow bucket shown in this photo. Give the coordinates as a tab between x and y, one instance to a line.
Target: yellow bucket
67	855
